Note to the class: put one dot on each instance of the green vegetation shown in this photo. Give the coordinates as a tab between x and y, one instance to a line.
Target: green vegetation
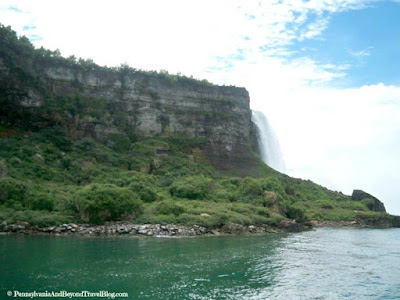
52	179
99	203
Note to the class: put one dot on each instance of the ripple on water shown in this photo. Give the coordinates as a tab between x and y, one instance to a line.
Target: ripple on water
322	264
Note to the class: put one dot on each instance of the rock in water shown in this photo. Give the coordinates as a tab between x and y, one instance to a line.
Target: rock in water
373	203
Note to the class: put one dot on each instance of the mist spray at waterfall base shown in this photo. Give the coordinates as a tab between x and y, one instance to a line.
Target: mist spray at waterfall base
270	150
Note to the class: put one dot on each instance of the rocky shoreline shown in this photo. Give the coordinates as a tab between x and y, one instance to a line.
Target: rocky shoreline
148	230
169	230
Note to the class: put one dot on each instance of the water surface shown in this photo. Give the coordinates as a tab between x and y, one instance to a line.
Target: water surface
322	264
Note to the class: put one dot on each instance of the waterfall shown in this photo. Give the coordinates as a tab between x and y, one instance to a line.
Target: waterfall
270	150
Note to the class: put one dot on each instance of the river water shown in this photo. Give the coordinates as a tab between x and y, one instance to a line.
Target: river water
327	263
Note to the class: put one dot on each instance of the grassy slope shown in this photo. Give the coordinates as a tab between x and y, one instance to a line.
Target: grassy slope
50	180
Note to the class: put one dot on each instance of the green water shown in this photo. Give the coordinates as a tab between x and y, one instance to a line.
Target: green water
321	264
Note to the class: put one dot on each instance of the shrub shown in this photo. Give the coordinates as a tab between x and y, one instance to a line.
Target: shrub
290	190
119	142
40	201
352	205
325	204
296	213
225	195
231	181
293	211
273	184
39	218
169	208
192	187
166	182
251	187
146	193
102	203
57	136
222	219
274	219
11	189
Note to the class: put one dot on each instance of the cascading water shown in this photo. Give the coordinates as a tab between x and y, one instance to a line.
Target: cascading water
268	142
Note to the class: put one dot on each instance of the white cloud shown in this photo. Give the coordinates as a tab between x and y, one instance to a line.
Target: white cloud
361	53
314	29
181	36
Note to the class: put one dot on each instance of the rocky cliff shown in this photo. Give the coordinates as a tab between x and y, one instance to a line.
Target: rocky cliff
219	117
41	88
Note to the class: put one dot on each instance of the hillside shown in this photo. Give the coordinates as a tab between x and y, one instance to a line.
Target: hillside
88	144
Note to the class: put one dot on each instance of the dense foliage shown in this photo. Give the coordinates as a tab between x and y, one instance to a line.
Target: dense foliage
49	179
99	203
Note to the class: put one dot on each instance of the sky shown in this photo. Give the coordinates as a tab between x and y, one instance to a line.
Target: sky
326	73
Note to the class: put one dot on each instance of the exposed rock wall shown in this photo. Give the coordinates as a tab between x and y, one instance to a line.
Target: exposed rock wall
156	105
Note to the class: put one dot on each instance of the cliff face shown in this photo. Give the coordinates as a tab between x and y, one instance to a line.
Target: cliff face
106	104
161	105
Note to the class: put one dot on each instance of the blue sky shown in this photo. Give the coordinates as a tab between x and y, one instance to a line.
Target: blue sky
326	73
365	39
